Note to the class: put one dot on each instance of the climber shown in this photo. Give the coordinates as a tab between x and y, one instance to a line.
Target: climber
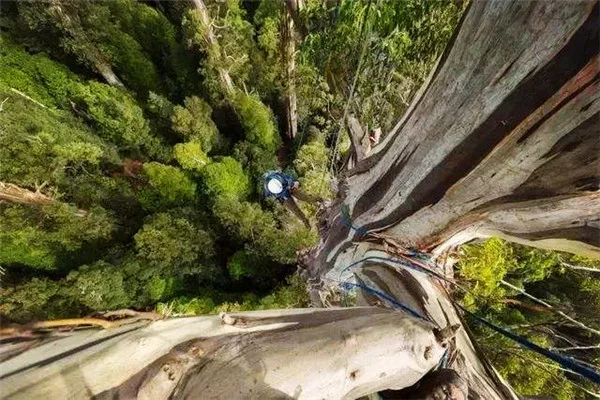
285	188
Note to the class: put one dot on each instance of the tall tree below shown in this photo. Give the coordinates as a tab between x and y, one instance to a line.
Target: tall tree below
501	139
212	45
504	133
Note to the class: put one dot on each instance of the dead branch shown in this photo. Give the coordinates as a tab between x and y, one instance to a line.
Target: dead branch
58	323
550	307
16	194
578	267
27	97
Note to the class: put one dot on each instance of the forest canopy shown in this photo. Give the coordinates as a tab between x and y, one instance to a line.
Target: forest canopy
134	136
119	109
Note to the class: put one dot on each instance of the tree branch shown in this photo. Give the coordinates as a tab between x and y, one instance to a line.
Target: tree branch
361	351
550	307
16	194
212	42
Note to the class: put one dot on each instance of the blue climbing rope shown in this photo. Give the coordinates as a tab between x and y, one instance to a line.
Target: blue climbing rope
566	362
361	231
383	296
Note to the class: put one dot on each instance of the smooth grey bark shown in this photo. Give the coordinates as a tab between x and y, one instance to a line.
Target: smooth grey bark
502	140
303	354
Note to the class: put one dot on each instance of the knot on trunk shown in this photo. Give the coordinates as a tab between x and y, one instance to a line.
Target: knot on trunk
446	334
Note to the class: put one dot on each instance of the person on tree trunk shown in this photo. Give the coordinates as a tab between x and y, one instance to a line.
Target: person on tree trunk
285	188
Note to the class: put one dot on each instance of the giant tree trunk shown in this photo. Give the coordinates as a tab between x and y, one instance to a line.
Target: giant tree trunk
333	353
501	140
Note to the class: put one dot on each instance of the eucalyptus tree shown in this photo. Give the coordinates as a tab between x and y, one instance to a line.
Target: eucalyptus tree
501	140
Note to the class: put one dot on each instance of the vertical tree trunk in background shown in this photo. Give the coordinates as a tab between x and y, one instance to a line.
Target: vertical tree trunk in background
107	73
212	43
294	7
99	63
288	43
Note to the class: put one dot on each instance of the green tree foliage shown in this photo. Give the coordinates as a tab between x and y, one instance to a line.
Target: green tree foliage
193	122
158	38
257	120
226	179
30	300
39	237
247	265
42	79
255	159
88	32
167	186
293	294
230	53
266	57
312	165
190	156
403	38
98	287
547	276
272	238
169	241
119	109
118	119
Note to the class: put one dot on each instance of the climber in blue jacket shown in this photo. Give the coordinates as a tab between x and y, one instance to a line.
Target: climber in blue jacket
285	188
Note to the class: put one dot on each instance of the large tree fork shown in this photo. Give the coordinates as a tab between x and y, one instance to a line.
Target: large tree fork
502	139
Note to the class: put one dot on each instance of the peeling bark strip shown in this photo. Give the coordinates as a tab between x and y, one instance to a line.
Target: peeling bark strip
357	138
271	355
511	114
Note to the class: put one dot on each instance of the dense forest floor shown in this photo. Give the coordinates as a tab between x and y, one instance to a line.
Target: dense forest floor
134	137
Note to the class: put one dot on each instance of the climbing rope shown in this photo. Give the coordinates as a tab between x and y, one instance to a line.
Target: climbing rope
566	362
354	82
361	231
